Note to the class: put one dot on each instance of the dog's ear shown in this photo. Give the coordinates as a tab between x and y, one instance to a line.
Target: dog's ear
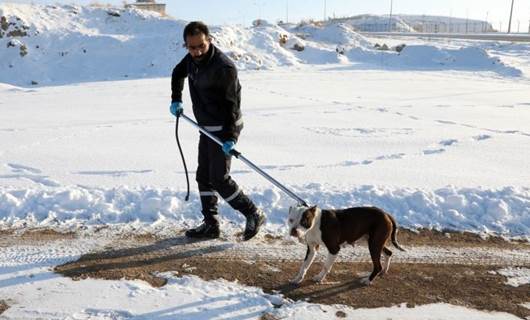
308	216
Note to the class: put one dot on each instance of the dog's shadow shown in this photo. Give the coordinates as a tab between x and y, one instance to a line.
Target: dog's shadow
309	290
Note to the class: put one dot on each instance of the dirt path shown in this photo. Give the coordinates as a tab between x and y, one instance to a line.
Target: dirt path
454	268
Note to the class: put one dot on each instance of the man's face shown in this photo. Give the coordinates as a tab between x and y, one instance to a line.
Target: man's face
198	46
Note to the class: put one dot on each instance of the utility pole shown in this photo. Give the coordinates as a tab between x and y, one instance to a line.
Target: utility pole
510	22
258	5
451	29
325	8
467	20
287	12
390	18
486	26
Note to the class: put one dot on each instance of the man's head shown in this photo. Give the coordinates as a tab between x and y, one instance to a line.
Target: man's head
197	39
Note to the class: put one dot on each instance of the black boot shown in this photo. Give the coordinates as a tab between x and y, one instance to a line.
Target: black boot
254	222
205	230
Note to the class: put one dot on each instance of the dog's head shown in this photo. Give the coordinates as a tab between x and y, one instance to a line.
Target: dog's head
301	219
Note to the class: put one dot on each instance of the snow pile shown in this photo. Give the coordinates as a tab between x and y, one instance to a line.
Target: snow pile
257	47
305	310
429	57
334	34
79	43
45	45
426	57
505	211
516	276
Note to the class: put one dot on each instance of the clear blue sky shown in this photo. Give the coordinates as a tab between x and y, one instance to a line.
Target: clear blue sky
245	11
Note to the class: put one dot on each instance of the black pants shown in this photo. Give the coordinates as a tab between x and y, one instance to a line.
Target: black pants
213	177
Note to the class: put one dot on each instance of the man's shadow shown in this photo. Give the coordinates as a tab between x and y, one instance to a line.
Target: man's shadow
137	257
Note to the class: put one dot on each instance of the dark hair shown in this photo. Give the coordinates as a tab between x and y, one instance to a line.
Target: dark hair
194	28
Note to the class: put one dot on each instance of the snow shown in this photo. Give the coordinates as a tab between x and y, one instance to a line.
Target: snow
68	44
516	276
435	134
503	211
37	293
303	310
114	159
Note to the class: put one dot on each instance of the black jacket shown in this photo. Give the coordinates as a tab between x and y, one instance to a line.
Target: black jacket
215	92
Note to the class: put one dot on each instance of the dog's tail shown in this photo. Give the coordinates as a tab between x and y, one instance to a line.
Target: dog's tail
394	233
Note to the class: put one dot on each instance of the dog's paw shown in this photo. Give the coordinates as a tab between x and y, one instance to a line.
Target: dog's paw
366	281
318	278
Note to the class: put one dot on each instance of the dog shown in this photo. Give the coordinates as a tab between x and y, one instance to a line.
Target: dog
333	228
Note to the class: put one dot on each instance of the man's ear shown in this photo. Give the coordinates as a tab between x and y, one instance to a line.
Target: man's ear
308	216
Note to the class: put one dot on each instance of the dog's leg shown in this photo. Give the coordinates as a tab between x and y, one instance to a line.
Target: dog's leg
326	268
309	257
376	248
387	253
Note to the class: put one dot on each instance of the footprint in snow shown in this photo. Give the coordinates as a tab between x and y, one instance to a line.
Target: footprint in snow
18	168
448	142
391	156
482	137
445	122
113	173
433	151
29	173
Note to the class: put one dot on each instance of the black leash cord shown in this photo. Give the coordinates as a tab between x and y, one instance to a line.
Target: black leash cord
182	156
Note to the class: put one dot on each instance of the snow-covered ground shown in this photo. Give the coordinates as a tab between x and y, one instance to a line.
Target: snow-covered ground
437	135
437	150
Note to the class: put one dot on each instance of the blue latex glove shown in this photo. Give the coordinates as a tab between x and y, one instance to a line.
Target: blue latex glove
228	146
176	108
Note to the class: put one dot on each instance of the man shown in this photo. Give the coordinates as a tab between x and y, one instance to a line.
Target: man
216	95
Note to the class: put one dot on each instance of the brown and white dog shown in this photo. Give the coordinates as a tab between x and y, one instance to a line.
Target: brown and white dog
333	228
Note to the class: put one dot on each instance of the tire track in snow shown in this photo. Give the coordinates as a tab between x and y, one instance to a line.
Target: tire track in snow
290	251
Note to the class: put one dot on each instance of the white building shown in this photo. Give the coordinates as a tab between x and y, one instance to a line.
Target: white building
150	5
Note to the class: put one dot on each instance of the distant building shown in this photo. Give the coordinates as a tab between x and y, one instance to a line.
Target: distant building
415	23
150	5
